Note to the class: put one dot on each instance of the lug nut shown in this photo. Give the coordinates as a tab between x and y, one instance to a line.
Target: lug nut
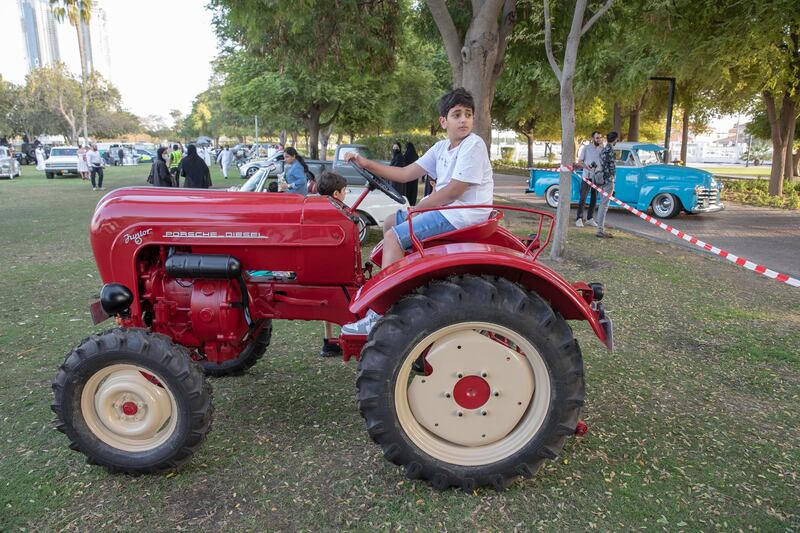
484	413
459	413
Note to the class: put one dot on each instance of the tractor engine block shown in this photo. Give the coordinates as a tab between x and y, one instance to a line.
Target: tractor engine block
201	314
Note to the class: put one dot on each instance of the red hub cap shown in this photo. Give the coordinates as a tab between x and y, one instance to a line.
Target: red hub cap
471	392
129	408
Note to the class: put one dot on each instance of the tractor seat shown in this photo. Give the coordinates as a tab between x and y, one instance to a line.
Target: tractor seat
474	233
480	232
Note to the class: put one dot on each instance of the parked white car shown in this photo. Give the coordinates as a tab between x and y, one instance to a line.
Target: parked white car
9	166
63	160
375	208
250	167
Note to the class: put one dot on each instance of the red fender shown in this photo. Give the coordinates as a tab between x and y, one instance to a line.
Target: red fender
439	262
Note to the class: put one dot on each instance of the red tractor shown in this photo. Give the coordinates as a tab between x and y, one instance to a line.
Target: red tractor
471	378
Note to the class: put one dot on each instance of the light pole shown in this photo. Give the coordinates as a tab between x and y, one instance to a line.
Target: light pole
670	98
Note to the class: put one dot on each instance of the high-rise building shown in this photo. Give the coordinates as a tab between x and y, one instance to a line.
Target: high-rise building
39	31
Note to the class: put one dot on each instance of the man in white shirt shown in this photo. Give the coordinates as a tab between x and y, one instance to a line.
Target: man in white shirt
96	165
463	173
589	160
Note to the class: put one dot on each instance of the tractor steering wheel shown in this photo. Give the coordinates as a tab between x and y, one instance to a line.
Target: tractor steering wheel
377	182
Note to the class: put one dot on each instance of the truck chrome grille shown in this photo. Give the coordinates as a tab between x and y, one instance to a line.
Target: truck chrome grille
707	197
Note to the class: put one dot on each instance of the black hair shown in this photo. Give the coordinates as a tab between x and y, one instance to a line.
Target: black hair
459	96
160	153
174	146
293	152
612	136
595	132
191	151
330	182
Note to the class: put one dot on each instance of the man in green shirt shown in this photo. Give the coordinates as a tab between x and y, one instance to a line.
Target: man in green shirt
175	157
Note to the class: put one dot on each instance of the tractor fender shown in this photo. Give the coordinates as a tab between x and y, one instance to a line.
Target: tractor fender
440	262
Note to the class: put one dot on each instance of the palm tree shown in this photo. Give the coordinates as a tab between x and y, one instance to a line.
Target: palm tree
78	12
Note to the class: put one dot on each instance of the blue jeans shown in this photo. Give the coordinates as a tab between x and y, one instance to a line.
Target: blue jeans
425	224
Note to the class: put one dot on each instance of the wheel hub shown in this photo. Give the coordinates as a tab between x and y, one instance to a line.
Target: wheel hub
478	392
126	410
471	392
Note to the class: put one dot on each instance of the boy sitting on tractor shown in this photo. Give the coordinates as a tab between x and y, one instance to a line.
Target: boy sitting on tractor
459	164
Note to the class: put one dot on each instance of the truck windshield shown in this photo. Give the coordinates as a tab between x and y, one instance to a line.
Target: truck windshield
361	150
648	157
64	151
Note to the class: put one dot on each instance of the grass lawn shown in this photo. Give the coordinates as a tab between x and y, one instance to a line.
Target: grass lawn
736	170
693	419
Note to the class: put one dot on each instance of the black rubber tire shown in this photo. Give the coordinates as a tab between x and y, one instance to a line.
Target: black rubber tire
145	349
250	172
49	175
251	353
462	299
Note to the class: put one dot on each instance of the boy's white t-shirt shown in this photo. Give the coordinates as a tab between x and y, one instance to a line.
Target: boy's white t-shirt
468	162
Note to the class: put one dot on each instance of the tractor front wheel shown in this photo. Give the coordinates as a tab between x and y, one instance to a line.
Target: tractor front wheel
470	382
132	401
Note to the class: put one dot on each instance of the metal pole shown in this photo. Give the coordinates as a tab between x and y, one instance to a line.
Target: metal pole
670	98
256	147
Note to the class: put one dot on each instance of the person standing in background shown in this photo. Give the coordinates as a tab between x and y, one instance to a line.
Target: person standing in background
83	165
224	159
296	180
608	167
589	160
120	156
174	162
398	161
39	158
412	187
96	165
194	170
159	173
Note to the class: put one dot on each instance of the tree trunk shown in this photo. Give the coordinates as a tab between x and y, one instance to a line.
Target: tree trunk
84	95
796	164
325	136
633	125
788	168
529	138
294	139
778	123
685	132
617	126
282	137
478	61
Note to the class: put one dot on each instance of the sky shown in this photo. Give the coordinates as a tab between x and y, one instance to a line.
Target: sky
161	51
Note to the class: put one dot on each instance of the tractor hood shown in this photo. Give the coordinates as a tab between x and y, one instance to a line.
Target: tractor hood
130	218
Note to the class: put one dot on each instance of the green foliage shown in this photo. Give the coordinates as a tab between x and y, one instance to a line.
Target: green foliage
756	192
380	146
300	63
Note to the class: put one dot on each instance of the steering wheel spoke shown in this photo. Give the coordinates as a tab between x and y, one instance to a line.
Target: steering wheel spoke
379	183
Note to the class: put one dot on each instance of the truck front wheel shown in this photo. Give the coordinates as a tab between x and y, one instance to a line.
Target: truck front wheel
470	382
132	401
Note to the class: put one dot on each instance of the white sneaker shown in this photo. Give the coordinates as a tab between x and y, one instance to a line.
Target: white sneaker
94	188
363	326
591	222
579	223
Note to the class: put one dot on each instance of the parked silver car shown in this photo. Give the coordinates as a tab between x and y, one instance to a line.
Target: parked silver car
63	160
9	166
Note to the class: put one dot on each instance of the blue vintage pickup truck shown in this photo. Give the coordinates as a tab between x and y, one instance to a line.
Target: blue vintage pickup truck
644	181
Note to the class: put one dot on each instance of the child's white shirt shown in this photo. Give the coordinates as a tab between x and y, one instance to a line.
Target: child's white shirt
468	163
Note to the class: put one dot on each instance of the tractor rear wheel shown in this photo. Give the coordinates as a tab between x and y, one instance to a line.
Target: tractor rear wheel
251	353
132	401
471	381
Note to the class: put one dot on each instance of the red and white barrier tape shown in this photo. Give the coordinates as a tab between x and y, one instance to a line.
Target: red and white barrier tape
690	238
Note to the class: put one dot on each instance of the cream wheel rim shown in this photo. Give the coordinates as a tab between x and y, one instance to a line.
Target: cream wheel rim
128	411
486	397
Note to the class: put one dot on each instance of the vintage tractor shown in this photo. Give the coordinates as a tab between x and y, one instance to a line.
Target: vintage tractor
471	378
